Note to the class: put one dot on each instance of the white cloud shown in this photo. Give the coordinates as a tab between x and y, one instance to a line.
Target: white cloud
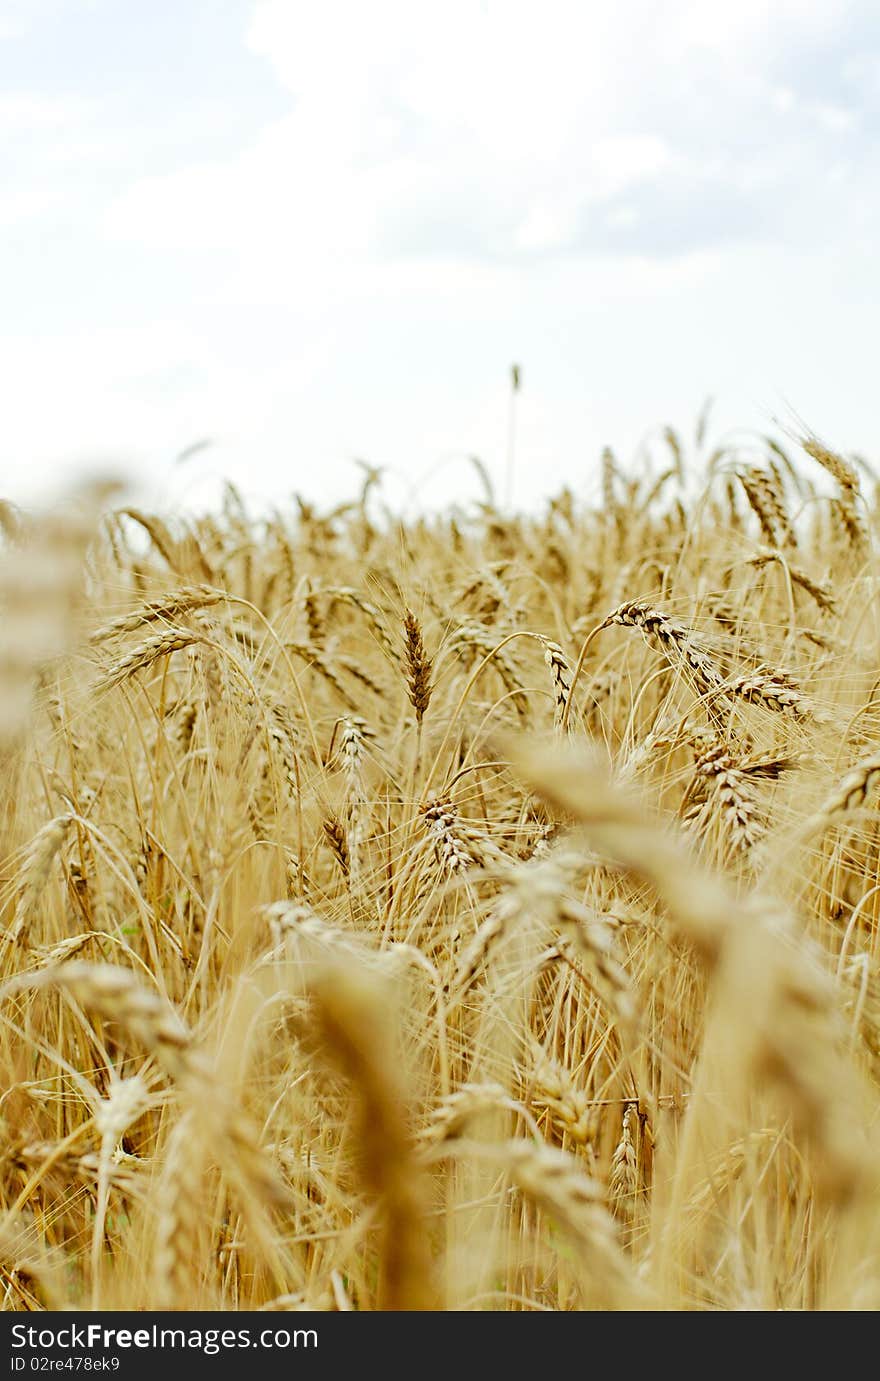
611	192
32	112
836	118
480	133
27	203
702	23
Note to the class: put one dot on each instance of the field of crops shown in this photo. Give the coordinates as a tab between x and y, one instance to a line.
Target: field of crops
477	912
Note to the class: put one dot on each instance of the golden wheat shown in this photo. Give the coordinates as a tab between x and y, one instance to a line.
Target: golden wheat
481	957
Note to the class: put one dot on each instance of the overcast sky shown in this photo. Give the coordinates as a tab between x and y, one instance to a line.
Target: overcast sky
324	230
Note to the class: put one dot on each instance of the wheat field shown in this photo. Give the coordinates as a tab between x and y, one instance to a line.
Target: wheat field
477	912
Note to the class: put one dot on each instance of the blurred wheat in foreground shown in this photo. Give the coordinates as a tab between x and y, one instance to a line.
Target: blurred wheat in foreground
475	913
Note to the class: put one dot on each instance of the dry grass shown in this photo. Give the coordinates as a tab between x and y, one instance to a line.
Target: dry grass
473	913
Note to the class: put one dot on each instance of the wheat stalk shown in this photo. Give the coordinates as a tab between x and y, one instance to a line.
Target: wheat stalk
142	656
419	666
171	606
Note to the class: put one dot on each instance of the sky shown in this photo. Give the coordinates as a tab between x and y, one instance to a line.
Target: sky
315	233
